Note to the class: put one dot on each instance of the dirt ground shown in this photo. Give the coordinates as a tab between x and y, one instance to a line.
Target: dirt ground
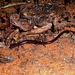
52	59
57	58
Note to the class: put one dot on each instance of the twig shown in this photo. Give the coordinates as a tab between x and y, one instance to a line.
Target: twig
38	30
13	4
33	31
6	59
41	29
13	33
17	23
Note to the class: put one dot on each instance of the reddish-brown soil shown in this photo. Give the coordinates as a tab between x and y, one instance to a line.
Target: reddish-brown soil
57	58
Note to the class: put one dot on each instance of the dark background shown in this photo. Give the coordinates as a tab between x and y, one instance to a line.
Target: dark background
38	1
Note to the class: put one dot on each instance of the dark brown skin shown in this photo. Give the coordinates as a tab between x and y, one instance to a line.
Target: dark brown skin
38	42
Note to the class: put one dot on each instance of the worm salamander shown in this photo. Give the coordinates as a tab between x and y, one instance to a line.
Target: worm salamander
38	42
